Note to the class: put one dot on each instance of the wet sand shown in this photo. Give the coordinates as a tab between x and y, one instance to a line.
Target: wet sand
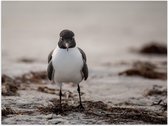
112	35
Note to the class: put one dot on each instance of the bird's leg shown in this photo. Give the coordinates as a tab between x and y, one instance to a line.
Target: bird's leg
60	94
80	102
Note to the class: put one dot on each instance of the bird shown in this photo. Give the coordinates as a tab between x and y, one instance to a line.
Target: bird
67	63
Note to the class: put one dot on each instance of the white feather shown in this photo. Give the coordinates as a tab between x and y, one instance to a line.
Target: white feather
67	65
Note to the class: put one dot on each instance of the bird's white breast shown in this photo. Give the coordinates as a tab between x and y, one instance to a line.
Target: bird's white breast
67	65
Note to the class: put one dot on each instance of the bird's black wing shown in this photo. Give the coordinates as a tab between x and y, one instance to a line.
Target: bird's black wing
85	68
85	71
50	71
83	54
50	56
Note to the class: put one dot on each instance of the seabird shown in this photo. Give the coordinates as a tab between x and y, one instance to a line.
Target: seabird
67	63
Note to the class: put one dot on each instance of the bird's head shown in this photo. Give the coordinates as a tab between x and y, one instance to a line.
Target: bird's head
66	40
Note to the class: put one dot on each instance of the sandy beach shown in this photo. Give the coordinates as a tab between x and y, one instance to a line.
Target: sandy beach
125	85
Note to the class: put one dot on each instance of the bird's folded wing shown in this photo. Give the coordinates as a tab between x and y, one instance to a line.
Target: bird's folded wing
50	71
83	54
85	68
50	56
85	71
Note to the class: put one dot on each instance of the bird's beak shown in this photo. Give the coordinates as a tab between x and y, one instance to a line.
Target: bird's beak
67	46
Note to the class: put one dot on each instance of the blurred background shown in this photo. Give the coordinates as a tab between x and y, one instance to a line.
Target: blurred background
104	30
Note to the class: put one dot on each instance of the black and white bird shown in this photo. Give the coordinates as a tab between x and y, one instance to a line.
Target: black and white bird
67	63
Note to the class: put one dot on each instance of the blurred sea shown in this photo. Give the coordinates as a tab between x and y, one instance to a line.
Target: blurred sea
104	30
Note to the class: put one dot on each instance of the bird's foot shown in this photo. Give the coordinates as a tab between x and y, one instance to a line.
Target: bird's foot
61	110
81	108
58	110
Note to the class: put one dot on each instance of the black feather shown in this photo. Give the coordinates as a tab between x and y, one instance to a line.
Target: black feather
83	54
50	71
50	56
85	67
85	71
